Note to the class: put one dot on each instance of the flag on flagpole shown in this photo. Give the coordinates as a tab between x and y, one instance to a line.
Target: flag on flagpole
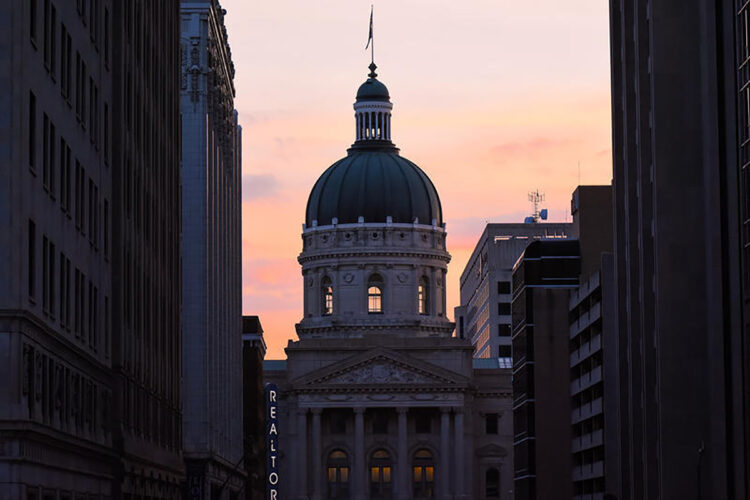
369	38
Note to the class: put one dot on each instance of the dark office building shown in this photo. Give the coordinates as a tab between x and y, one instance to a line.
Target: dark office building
55	250
680	128
145	215
542	280
254	406
593	350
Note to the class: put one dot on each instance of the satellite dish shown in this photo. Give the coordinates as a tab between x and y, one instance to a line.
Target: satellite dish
543	214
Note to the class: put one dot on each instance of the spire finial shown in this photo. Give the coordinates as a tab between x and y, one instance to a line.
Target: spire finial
373	67
371	41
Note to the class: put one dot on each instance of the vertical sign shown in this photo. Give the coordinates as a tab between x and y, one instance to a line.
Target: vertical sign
272	442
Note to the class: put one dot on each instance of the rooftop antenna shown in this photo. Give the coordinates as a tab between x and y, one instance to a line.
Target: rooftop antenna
535	197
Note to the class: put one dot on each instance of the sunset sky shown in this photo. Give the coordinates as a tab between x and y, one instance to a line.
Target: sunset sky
492	99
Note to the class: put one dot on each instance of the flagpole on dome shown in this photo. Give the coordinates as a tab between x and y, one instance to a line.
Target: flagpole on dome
371	42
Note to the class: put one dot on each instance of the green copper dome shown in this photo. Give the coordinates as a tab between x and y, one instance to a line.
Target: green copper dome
374	184
373	181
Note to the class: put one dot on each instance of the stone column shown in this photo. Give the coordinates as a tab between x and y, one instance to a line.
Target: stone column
445	444
402	460
459	467
358	473
317	468
302	454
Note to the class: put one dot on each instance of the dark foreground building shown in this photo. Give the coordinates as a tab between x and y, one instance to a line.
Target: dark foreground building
680	128
89	250
56	287
543	277
254	408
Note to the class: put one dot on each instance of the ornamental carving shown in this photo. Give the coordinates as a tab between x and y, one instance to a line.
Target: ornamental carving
348	277
380	372
402	277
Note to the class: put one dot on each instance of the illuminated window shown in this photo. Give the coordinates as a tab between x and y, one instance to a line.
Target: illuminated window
422	296
423	474
375	294
327	296
380	475
338	475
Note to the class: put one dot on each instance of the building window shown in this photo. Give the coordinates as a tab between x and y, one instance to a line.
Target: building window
32	260
423	296
423	474
492	483
32	21
106	229
503	330
338	475
327	296
106	37
490	423
48	276
503	308
64	176
50	44
503	287
65	60
375	294
380	474
48	155
32	131
64	291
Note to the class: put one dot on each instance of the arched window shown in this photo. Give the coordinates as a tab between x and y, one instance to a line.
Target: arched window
423	296
375	294
423	474
327	296
338	475
380	475
492	483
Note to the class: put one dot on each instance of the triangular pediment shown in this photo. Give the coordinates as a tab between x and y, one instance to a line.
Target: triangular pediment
381	367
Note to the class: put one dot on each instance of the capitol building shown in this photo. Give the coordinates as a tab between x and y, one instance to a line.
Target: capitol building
378	399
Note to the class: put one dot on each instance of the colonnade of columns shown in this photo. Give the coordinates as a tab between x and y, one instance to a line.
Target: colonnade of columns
450	468
373	125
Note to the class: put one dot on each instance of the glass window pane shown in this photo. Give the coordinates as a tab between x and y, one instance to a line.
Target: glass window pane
332	474
386	474
344	474
430	473
374	474
417	474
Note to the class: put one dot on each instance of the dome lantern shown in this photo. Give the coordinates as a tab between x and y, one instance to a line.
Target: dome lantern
372	114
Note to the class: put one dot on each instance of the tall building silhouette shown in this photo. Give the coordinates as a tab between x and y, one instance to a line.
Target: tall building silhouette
56	251
146	352
211	257
680	128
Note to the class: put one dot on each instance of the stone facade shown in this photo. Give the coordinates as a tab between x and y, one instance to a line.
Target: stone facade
211	257
56	388
377	399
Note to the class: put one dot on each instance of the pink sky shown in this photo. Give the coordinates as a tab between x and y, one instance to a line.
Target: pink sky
492	98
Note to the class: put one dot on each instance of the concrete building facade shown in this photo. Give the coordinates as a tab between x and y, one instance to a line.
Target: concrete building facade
212	440
377	399
484	316
543	278
56	289
679	128
593	351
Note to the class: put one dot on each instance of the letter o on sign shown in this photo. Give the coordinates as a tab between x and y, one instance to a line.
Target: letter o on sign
273	478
